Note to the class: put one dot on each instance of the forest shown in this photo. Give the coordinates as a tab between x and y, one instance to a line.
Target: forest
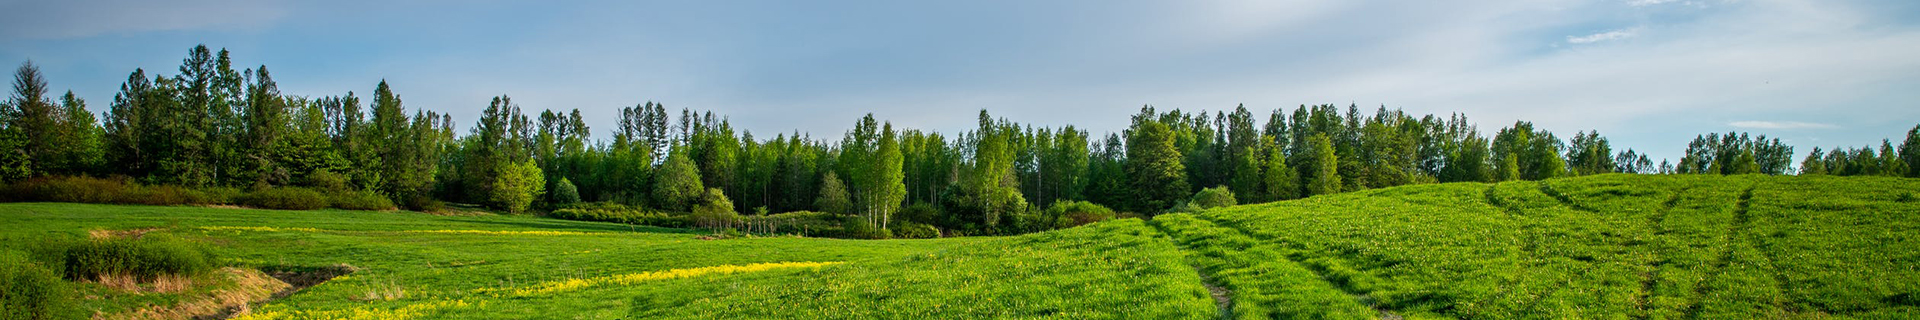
211	131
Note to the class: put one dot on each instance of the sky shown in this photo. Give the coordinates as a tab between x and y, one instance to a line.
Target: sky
1648	74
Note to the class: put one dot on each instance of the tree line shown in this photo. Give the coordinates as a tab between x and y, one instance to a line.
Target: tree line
212	126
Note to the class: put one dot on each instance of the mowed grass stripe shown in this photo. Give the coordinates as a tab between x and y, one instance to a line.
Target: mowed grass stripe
1263	282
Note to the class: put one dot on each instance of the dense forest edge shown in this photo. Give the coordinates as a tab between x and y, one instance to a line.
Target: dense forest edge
213	135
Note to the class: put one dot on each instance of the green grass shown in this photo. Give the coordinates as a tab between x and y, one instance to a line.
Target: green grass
1608	246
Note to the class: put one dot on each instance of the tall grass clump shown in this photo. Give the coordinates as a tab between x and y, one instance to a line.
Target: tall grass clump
31	290
142	258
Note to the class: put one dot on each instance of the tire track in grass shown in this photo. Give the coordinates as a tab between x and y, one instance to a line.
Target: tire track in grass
1222	297
1320	277
1740	220
1530	230
1648	279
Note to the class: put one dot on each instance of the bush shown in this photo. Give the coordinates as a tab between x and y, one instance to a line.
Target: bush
1214	197
565	193
614	212
1077	213
807	223
143	258
911	230
919	212
715	211
359	200
68	189
858	228
31	290
284	198
423	203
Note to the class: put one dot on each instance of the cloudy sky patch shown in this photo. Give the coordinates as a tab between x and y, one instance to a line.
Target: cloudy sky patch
1648	74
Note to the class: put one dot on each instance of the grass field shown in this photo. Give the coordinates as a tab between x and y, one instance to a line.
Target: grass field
1609	246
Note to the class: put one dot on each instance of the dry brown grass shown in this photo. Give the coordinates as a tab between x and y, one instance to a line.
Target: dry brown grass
383	291
128	233
248	287
122	282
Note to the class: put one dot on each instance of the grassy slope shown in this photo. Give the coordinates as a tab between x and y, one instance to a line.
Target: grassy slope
474	275
1610	246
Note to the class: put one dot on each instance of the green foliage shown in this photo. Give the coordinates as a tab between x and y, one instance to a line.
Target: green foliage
97	190
677	184
833	195
1322	170
715	211
912	230
284	198
864	229
1158	177
1214	197
1077	213
31	290
517	185
565	193
144	258
614	212
358	200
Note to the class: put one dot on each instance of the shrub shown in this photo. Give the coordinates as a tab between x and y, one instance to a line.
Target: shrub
715	211
358	200
919	212
807	223
859	228
1214	197
143	258
327	181
30	290
614	212
565	193
911	230
1076	213
68	189
423	203
284	198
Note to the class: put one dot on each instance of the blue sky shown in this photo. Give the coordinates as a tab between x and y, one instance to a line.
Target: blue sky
1649	74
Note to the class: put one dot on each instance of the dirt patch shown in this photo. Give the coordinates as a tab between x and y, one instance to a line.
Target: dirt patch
128	233
305	277
1222	298
250	287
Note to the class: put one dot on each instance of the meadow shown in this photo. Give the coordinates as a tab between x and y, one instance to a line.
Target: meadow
1606	246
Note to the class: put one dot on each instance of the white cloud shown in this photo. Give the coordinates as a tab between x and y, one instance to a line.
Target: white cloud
1779	125
1603	36
1643	3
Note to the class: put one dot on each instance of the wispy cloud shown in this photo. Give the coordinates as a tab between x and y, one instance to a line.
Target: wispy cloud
1603	36
1643	3
1779	125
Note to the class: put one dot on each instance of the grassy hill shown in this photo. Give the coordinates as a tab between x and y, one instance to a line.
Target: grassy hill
1609	246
